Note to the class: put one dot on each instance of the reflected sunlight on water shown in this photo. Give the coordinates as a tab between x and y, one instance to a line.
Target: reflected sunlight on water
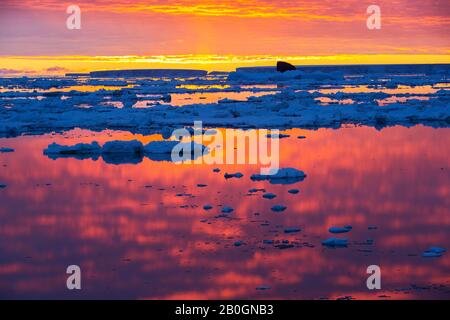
140	231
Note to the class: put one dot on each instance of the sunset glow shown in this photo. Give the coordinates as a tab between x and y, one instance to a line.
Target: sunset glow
216	35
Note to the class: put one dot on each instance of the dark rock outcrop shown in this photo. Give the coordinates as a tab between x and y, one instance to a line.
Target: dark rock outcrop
284	66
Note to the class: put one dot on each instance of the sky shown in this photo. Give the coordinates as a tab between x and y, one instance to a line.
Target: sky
221	34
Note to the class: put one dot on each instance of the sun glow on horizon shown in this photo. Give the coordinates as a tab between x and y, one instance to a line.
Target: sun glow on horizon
39	65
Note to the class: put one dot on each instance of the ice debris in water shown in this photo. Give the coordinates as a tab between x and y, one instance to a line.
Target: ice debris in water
340	229
262	288
335	242
433	252
254	190
167	147
233	175
5	150
269	196
127	151
278	208
78	149
283	176
227	209
131	147
292	230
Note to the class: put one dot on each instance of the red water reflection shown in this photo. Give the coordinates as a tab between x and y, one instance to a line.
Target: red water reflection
133	237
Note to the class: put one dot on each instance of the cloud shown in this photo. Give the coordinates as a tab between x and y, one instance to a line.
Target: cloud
14	72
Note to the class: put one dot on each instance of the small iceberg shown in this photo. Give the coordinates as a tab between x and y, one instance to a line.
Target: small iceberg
283	176
269	196
335	242
278	208
339	229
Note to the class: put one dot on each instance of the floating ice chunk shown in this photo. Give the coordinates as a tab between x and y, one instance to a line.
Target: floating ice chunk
254	190
82	150
293	191
340	229
122	152
278	208
130	147
263	288
292	230
233	175
227	210
160	147
5	150
166	147
430	254
335	242
433	252
283	176
207	207
269	196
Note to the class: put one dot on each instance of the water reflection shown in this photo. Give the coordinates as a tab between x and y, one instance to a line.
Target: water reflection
135	238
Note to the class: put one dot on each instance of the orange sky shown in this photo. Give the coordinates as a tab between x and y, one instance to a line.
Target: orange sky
230	28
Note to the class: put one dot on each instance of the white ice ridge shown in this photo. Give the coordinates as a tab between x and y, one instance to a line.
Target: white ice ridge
274	100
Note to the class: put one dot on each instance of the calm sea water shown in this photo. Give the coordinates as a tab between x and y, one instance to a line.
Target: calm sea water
140	230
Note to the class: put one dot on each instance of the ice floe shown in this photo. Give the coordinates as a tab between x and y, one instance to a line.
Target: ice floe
433	252
292	230
340	229
278	208
283	176
233	175
335	242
